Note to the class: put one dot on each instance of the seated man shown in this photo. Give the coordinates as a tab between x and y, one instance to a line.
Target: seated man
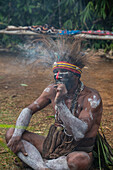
70	141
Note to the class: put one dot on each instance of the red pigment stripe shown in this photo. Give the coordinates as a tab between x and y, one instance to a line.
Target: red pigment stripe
57	75
75	71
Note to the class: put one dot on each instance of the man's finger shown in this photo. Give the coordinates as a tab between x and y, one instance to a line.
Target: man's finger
24	151
9	143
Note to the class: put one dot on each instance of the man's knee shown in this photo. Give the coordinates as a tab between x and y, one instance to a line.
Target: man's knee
9	134
79	161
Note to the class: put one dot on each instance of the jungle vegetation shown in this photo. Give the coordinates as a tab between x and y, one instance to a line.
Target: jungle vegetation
63	14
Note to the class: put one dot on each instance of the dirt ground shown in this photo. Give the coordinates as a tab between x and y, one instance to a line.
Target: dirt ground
21	84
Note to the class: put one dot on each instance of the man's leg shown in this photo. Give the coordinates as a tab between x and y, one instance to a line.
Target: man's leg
33	143
79	160
58	164
74	161
34	159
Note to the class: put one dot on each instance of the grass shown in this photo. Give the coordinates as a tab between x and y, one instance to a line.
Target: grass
8	115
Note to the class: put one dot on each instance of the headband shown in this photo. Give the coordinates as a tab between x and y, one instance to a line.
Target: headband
65	65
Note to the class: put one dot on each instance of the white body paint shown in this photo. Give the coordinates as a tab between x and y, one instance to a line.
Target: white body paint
47	90
34	159
22	122
58	164
91	115
73	125
37	105
79	105
85	109
94	102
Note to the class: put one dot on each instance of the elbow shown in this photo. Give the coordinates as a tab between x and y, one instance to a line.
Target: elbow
79	136
79	133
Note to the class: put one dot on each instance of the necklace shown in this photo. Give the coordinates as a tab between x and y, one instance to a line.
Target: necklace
75	98
73	106
74	101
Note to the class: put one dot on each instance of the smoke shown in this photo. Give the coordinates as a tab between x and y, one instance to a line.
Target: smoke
45	50
36	54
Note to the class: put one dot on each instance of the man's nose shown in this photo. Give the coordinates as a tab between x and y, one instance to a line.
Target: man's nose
58	76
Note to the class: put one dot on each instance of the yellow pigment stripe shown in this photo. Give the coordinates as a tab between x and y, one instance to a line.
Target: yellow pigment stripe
71	66
68	66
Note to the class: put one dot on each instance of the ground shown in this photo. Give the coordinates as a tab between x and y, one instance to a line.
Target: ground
21	84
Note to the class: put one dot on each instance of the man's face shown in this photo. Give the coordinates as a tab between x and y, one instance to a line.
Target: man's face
64	76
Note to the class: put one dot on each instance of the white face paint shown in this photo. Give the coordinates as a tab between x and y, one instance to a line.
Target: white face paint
94	102
63	73
37	105
47	89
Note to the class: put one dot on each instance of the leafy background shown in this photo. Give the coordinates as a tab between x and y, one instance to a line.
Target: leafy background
63	14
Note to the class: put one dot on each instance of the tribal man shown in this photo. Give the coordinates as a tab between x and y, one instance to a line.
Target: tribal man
78	112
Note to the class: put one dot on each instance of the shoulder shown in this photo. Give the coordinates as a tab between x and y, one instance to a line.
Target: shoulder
49	88
90	91
92	97
49	91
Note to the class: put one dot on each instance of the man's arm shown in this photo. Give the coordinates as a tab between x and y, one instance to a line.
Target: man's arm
92	112
24	119
78	127
74	126
26	114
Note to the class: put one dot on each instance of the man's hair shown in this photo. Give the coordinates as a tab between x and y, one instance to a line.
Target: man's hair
64	48
70	50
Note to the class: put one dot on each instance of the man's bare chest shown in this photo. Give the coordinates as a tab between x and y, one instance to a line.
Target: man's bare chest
75	107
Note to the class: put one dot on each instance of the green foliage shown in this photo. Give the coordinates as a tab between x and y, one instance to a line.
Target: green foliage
87	13
71	12
10	41
103	153
65	14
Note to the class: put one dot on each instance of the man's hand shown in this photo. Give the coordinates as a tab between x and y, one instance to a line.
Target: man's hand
16	145
61	92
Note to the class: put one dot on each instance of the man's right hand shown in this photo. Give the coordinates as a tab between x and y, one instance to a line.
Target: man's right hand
61	92
16	145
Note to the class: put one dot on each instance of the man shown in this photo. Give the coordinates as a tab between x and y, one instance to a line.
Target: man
70	141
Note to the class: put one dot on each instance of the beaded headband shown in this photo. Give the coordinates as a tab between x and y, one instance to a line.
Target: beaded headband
65	65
